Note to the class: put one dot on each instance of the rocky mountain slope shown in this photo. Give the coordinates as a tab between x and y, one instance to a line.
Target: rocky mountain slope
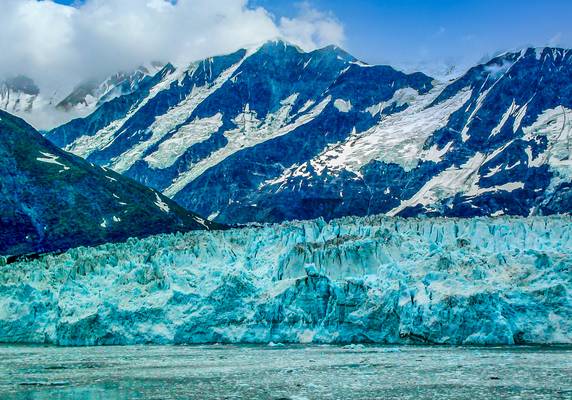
51	200
273	133
18	94
91	94
22	97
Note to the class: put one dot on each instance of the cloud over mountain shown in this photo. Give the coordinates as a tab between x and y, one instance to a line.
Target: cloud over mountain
59	45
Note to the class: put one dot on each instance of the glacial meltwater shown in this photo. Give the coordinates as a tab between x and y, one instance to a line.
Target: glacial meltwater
285	372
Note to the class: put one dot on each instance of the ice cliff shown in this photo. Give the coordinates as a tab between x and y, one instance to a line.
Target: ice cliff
374	279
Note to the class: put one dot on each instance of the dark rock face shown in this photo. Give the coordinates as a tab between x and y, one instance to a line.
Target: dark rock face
51	200
274	134
22	84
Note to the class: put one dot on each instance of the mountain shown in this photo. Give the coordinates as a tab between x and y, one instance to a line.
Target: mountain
51	200
273	133
18	94
93	93
22	97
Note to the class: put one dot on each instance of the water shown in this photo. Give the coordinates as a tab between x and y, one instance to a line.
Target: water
284	372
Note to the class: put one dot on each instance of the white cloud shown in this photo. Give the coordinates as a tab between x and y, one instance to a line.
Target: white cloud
312	28
58	45
496	70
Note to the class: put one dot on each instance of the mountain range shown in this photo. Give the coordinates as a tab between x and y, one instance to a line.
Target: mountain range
51	200
274	133
19	95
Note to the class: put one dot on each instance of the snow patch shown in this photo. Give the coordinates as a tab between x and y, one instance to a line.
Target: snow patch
50	158
444	185
398	138
164	124
202	222
213	215
343	106
86	144
510	111
249	132
556	125
161	204
184	138
434	154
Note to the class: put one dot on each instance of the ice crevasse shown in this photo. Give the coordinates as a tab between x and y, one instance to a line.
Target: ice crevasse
372	279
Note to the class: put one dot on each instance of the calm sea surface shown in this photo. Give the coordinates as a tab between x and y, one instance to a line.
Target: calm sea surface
284	372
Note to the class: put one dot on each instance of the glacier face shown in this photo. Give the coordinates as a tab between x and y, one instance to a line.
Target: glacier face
372	279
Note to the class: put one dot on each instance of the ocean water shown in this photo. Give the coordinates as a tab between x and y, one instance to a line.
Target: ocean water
285	372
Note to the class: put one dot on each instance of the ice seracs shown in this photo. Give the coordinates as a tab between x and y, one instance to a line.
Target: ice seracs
356	280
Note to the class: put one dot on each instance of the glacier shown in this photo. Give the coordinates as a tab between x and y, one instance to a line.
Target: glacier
377	279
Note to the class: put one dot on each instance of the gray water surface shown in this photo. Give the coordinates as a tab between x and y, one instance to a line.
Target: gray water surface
284	372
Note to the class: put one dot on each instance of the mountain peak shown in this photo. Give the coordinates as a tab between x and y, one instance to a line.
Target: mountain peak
555	53
337	51
280	44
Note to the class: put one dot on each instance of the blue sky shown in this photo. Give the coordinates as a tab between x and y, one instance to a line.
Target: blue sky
413	31
442	30
59	46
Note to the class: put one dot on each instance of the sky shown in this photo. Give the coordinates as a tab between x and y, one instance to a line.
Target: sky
59	43
434	32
